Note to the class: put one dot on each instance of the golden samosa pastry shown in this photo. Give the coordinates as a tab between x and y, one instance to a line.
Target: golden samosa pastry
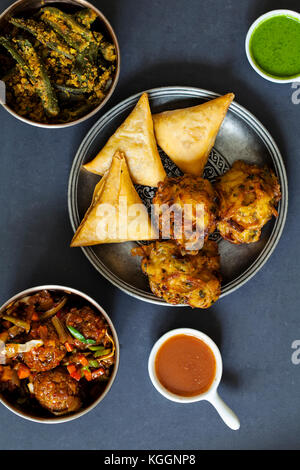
187	135
116	213
136	138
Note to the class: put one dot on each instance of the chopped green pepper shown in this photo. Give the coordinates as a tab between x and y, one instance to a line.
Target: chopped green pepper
79	336
93	363
96	348
102	353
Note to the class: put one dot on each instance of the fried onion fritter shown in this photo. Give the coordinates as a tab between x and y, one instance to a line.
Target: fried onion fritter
188	193
191	279
248	196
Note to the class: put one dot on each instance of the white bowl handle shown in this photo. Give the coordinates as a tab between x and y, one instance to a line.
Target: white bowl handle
228	416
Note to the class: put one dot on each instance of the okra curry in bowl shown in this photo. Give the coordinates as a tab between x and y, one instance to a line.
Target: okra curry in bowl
59	354
59	61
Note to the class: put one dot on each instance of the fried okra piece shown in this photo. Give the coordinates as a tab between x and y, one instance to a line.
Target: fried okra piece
44	35
75	34
10	47
27	58
86	17
39	77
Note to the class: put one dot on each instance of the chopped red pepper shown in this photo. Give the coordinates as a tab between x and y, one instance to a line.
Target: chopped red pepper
74	373
88	375
69	346
23	371
35	317
83	360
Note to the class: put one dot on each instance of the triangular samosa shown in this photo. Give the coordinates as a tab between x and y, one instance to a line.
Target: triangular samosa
136	138
117	213
187	135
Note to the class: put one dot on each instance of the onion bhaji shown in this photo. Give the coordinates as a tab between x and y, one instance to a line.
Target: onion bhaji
248	196
191	279
189	194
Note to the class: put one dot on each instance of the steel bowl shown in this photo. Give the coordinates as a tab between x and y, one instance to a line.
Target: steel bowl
24	6
17	409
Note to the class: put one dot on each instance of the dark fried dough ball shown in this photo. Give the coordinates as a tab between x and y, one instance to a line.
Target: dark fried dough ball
248	197
191	279
90	325
49	355
57	391
192	191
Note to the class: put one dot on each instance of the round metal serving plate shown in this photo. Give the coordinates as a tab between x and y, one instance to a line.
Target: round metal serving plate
241	136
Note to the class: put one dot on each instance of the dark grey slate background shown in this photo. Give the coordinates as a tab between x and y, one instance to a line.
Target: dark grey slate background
168	42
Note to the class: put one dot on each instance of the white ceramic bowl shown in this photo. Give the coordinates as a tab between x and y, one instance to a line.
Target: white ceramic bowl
211	395
259	20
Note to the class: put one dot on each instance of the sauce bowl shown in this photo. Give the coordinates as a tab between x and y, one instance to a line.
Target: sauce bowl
211	395
270	14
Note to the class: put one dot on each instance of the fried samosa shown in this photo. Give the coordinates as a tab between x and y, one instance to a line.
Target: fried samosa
116	213
187	135
136	138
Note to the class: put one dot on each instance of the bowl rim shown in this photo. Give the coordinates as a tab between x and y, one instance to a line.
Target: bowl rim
195	334
62	419
102	17
254	25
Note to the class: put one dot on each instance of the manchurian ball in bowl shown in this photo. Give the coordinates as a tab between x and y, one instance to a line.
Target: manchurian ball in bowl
59	354
59	61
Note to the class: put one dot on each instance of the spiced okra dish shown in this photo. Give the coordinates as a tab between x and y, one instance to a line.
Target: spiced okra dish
58	354
59	61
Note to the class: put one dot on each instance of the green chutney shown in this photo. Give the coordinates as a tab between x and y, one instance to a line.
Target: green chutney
275	46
